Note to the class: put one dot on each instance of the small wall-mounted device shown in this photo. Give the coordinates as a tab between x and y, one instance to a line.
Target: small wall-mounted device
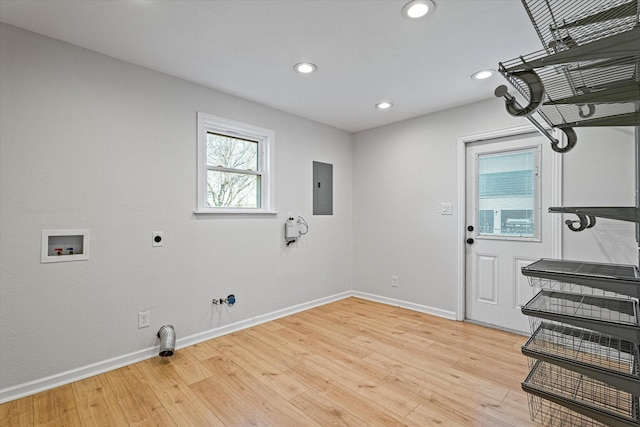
292	228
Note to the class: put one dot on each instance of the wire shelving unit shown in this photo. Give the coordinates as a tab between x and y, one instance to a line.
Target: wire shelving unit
587	72
585	332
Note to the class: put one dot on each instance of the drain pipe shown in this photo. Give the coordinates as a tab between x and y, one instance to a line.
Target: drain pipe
167	337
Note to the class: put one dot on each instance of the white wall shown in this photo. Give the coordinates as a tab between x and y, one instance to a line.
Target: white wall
601	171
88	141
402	172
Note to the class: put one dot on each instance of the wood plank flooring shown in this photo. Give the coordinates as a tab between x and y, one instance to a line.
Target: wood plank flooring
349	363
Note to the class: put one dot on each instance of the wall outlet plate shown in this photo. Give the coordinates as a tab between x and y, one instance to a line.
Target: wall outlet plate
157	239
144	319
394	281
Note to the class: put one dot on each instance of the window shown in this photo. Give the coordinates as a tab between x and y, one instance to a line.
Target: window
234	166
508	194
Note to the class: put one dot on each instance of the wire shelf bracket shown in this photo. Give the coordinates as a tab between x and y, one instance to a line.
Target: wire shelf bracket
587	215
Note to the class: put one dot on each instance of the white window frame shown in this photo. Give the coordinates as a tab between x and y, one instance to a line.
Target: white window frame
235	129
537	197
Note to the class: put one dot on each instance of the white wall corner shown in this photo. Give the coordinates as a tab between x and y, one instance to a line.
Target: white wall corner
451	315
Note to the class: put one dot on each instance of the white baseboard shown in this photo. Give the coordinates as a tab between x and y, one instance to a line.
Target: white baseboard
26	389
41	384
244	324
451	315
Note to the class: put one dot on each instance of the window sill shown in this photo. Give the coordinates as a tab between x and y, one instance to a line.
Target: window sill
234	212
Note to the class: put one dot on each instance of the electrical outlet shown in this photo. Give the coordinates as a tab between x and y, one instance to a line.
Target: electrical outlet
143	319
394	281
157	238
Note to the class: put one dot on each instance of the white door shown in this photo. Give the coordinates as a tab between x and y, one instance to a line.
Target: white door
508	192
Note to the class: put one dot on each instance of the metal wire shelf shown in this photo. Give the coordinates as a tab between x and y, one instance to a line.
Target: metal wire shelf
553	415
609	280
583	21
610	316
554	285
580	93
582	394
601	357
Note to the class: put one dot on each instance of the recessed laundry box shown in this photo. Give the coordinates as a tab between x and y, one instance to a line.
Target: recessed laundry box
64	245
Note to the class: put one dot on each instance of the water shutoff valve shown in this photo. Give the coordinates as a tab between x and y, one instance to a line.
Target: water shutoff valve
230	300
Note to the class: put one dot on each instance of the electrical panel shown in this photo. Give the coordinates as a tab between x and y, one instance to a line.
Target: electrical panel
322	188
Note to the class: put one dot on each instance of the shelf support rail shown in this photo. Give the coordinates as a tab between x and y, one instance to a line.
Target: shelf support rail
515	109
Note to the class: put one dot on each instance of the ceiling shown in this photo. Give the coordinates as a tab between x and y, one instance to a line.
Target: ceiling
364	49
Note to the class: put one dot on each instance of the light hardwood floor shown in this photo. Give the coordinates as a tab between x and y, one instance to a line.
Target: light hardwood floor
349	363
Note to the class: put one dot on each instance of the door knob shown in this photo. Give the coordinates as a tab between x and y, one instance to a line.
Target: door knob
470	241
470	228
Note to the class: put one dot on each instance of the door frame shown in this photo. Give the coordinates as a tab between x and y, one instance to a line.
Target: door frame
556	200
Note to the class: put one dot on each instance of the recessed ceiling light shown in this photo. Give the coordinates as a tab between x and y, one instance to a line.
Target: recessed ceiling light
482	74
418	8
305	67
384	105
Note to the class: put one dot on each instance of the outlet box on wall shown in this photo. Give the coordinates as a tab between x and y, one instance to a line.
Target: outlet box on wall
64	245
394	281
144	319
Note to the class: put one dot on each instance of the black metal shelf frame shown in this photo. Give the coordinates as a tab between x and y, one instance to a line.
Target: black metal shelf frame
600	357
581	394
609	316
574	276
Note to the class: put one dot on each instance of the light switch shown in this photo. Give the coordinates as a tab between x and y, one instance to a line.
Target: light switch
446	209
